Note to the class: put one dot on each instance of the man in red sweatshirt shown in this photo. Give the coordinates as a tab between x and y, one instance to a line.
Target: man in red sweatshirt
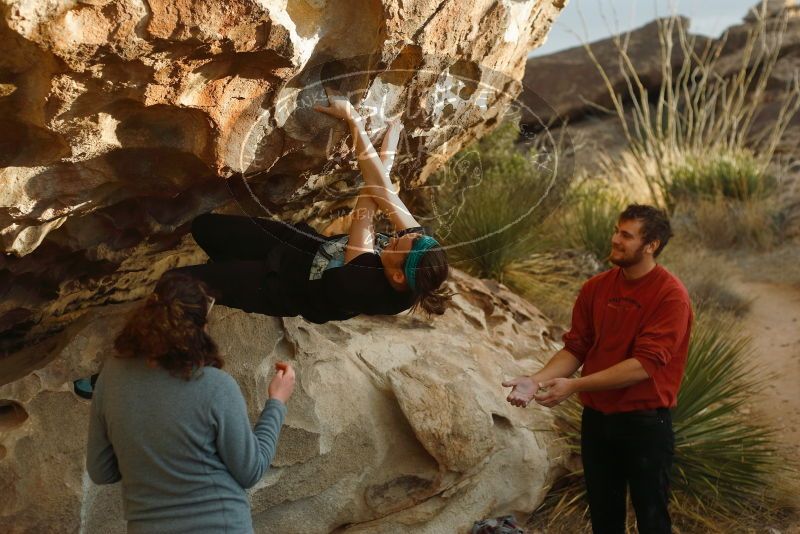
630	335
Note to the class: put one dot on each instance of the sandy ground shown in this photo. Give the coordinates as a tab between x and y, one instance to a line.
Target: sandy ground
774	325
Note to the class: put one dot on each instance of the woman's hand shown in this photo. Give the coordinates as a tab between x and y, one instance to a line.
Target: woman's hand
340	107
282	384
378	185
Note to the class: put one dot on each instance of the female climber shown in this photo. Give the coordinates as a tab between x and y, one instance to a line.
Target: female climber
279	269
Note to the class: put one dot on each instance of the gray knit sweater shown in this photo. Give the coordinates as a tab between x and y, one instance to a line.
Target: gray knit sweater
184	450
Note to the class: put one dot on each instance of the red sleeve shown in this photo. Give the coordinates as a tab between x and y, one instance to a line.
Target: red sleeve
662	335
580	337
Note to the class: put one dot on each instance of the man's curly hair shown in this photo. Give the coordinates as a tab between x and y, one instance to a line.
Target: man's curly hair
655	224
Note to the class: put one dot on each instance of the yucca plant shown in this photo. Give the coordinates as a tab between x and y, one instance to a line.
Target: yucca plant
551	280
723	457
492	199
725	460
590	219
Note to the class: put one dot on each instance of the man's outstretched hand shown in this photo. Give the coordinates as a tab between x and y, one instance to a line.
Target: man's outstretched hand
523	390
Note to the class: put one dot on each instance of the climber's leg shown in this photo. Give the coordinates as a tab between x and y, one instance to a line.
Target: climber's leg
235	237
248	285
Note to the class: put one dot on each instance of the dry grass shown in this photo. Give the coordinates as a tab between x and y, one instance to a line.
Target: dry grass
561	516
725	204
552	280
707	276
780	265
722	224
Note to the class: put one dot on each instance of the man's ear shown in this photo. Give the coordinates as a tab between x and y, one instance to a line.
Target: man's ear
652	246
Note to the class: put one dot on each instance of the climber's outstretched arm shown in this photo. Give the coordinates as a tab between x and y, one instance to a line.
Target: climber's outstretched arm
376	176
362	229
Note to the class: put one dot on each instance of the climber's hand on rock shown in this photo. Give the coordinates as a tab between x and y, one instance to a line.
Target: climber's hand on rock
393	128
339	107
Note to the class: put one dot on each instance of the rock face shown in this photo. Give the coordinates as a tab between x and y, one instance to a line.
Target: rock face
397	424
120	121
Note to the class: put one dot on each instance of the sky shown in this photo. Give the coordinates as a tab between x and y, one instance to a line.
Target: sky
608	17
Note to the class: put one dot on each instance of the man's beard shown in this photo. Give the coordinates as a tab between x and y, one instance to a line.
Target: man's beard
630	261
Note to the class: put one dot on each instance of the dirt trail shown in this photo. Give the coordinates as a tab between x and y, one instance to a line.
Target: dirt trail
774	325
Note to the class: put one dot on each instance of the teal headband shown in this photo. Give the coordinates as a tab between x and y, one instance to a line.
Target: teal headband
412	260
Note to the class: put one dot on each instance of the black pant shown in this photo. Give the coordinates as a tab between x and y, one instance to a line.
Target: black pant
234	237
246	258
629	449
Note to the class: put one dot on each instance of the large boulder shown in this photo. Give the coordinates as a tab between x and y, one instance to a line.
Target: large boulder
397	424
122	120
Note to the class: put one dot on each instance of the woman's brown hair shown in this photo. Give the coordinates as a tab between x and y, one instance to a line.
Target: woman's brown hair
432	271
168	330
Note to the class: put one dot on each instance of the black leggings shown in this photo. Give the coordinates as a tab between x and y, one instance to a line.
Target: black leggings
629	449
234	237
244	263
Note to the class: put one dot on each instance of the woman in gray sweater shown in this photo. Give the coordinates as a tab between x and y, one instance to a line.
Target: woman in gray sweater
173	427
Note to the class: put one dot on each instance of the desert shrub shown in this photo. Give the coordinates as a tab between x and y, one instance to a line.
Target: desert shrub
722	223
590	217
708	277
492	199
696	133
551	280
732	177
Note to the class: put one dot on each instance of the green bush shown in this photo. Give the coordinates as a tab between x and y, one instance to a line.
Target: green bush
730	176
493	197
590	219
